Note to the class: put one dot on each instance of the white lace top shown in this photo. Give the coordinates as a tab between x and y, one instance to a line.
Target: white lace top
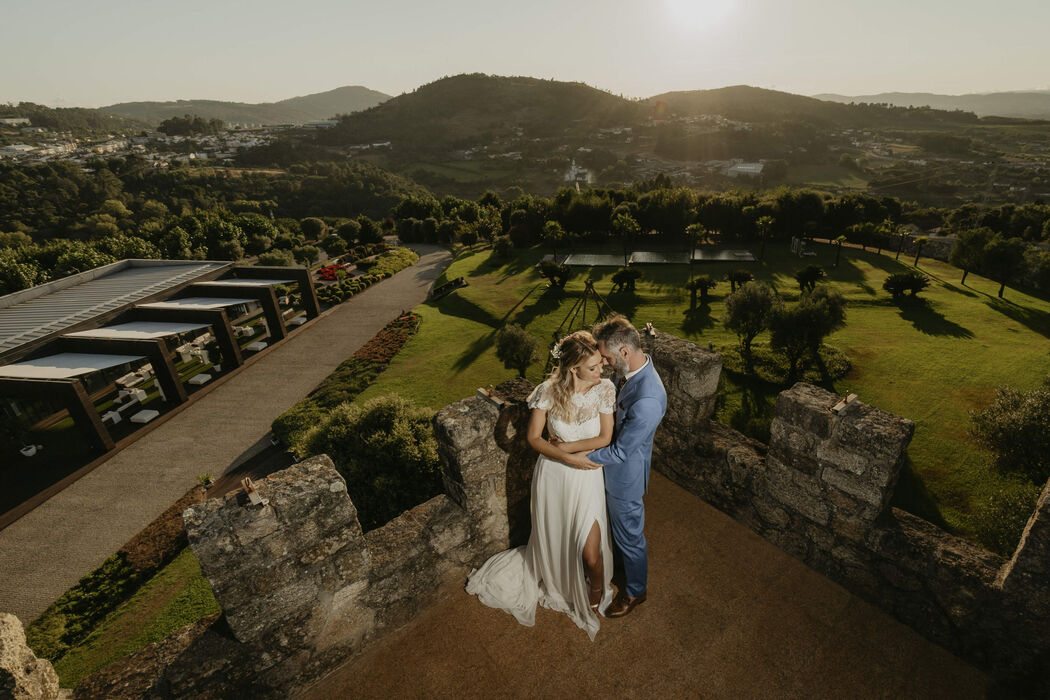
583	422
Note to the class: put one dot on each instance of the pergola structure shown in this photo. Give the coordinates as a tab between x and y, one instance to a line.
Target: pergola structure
54	335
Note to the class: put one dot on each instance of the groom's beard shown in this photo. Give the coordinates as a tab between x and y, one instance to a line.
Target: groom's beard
621	366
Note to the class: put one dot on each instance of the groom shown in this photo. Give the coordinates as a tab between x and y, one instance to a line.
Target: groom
640	406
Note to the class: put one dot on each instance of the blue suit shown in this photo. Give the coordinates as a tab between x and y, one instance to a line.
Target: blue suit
640	406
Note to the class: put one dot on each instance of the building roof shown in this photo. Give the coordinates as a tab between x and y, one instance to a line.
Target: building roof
139	330
65	365
197	303
50	308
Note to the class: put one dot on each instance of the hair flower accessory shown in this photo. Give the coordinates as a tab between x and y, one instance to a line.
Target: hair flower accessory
556	351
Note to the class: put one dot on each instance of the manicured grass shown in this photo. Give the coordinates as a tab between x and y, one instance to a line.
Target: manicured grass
931	362
176	596
824	175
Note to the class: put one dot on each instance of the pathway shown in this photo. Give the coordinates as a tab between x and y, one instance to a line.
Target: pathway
48	550
730	616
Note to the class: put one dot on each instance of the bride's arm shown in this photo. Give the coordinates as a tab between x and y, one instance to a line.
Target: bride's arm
604	437
537	421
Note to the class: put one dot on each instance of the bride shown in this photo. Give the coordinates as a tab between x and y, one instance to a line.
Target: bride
567	564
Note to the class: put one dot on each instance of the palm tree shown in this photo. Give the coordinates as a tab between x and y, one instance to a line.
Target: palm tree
702	284
765	231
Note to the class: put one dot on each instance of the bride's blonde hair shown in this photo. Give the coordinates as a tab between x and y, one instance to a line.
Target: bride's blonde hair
570	351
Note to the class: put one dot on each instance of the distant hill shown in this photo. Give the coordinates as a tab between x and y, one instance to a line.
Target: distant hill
81	121
466	110
296	110
751	104
1026	105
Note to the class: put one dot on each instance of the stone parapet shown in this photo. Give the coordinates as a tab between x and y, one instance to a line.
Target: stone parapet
22	675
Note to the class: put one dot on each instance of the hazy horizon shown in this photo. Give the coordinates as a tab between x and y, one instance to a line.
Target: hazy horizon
91	55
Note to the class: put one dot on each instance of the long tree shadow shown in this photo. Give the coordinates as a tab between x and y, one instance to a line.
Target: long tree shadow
457	305
911	495
625	303
925	319
547	302
1038	321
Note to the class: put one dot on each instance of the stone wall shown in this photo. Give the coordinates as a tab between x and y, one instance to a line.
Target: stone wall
936	247
22	675
821	492
302	588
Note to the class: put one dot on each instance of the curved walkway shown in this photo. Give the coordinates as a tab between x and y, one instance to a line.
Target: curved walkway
48	550
729	616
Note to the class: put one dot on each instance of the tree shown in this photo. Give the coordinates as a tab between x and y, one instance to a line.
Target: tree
557	274
516	348
796	330
349	231
702	284
277	258
625	228
625	278
1003	259
900	282
838	249
969	249
1016	427
305	255
808	276
919	243
553	235
313	228
468	237
747	312
738	277
370	232
764	226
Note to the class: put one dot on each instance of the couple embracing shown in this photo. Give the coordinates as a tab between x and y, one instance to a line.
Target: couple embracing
588	484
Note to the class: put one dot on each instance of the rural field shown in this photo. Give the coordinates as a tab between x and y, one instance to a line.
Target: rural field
932	361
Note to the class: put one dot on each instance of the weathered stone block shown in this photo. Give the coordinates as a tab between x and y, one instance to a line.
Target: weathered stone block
22	675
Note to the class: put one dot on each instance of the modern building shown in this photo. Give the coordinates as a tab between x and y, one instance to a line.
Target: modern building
87	360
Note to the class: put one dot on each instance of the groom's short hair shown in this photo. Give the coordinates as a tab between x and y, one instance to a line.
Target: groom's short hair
617	332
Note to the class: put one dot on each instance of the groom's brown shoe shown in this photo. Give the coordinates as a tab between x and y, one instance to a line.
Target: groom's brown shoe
623	604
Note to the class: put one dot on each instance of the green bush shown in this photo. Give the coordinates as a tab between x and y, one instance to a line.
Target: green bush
503	248
1016	426
386	451
1001	519
516	348
911	282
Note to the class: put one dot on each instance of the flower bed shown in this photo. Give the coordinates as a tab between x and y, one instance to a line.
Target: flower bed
385	266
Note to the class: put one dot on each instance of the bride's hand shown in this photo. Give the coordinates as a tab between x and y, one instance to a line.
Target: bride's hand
556	442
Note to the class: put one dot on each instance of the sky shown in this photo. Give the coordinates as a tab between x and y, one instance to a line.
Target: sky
99	52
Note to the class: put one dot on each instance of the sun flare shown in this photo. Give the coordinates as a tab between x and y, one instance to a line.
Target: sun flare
698	14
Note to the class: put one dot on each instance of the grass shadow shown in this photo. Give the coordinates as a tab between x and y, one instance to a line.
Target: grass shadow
911	495
1037	321
925	319
698	320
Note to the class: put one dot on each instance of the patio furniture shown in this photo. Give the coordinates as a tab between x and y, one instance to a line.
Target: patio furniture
297	321
138	394
256	346
144	416
111	417
129	406
199	379
129	379
30	450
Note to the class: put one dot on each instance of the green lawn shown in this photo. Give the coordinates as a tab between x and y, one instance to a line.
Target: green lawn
824	176
176	596
930	362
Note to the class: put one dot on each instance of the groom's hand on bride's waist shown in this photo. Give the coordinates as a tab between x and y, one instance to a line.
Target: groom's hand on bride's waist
579	460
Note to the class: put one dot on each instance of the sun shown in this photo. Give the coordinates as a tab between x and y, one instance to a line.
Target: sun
698	14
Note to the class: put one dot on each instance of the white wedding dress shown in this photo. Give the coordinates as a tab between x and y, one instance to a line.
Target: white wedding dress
566	502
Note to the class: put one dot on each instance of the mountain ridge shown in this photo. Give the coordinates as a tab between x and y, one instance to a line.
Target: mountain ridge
1022	104
294	110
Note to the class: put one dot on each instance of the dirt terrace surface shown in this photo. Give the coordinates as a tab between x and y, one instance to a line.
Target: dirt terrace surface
728	616
48	550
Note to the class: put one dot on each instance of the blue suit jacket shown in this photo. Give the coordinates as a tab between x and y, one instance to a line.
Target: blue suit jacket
640	406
